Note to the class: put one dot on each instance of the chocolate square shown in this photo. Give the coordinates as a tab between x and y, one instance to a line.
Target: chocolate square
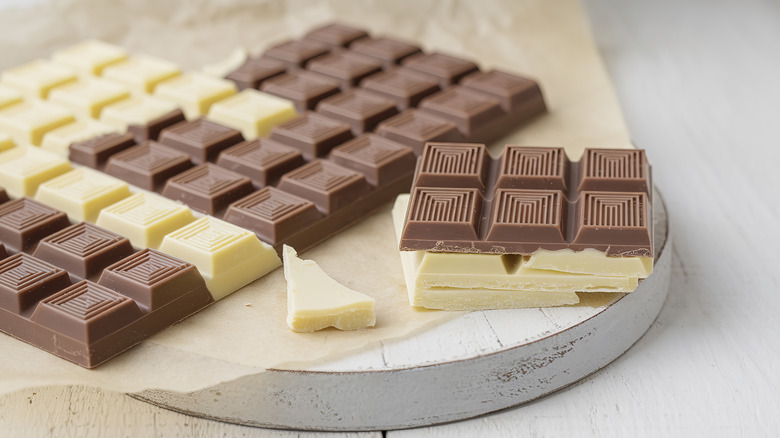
620	218
151	130
304	88
25	280
446	69
262	160
272	214
313	134
347	67
148	165
95	152
298	53
405	86
327	184
337	34
201	139
513	92
470	110
389	50
361	109
255	71
617	170
525	167
23	222
537	215
461	165
440	214
379	159
414	128
208	188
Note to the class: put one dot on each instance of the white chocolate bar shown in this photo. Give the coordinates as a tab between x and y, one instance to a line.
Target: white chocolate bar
87	97
145	218
194	93
141	74
82	193
24	168
252	112
90	57
36	78
27	122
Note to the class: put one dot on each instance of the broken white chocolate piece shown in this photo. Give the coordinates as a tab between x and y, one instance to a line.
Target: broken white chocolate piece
316	301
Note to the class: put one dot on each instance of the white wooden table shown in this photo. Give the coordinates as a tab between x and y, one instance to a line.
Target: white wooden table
698	84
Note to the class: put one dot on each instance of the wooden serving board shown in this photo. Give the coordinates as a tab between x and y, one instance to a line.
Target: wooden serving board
476	364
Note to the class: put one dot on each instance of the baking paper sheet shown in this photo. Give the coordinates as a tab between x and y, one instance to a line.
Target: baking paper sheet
246	332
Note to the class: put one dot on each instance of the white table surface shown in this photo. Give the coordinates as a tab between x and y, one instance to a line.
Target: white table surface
700	89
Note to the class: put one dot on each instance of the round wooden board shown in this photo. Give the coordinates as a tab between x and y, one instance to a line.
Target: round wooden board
476	364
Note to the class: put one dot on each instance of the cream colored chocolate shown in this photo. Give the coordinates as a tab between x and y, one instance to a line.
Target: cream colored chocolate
227	256
141	73
24	168
82	193
5	142
138	110
252	112
316	301
194	93
90	57
590	261
58	141
145	218
9	96
27	122
87	97
223	67
36	78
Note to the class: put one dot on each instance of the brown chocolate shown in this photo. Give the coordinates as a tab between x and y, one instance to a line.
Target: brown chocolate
345	66
388	50
361	109
304	88
23	222
414	128
255	71
208	188
95	152
336	34
469	110
263	161
3	196
447	69
328	185
312	134
298	53
405	86
151	130
201	139
380	160
25	280
148	165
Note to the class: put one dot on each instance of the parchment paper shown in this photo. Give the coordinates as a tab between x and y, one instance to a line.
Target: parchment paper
246	332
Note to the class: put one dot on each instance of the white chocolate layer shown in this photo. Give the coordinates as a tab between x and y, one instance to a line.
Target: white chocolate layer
252	112
194	93
58	141
24	168
227	256
82	193
27	122
590	261
141	73
145	218
90	57
316	301
135	111
87	97
36	78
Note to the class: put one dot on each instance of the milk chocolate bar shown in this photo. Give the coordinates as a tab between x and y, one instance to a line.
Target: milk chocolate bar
530	199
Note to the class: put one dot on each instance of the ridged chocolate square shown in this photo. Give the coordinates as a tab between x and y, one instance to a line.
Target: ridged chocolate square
152	278
403	85
312	134
388	50
272	214
304	88
512	91
86	312
379	159
255	71
469	110
95	152
328	185
151	130
337	34
263	161
345	66
148	165
536	215
523	167
298	53
614	170
25	280
447	69
414	128
23	222
83	249
201	139
461	165
208	188
621	218
441	213
362	110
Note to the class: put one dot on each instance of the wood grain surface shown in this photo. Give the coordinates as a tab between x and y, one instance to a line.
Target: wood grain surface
698	84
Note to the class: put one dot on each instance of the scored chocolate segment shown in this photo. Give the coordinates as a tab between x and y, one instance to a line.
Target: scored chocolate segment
255	71
208	188
201	139
313	134
536	215
470	110
337	34
151	130
448	70
148	165
514	92
414	128
441	213
304	88
95	152
462	165
379	159
25	280
328	185
152	279
23	222
273	214
86	311
388	50
614	170
263	161
361	109
298	53
622	219
533	168
83	249
405	86
345	66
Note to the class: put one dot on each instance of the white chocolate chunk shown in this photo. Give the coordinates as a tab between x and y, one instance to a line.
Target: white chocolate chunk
5	142
82	193
88	97
141	73
252	112
316	301
590	261
58	141
90	57
145	218
195	92
135	111
9	96
24	168
36	78
222	68
227	256
27	122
